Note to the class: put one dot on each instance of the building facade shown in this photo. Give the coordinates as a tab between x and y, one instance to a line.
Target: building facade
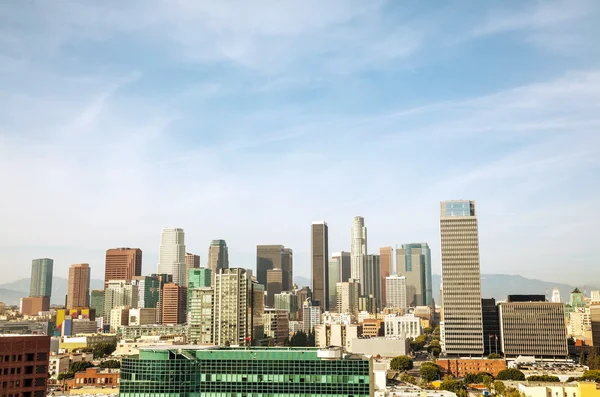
24	365
386	261
41	277
277	325
97	301
78	289
172	254
334	278
320	264
533	329
119	293
347	294
274	285
396	292
491	327
276	372
287	301
414	262
269	257
407	326
288	269
174	304
358	250
200	315
345	261
461	294
218	256
192	261
311	316
372	279
122	264
460	367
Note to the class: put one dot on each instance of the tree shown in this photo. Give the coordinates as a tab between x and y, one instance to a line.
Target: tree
406	378
310	340
65	375
110	364
401	363
299	339
103	349
429	371
494	356
593	375
418	343
543	378
571	341
480	377
511	374
80	366
499	388
453	385
427	330
512	392
592	360
435	351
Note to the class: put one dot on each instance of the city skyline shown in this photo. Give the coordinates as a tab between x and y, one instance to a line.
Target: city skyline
495	105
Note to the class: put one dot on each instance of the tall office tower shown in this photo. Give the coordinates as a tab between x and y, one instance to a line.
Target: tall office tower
256	311
277	325
395	289
288	269
373	279
334	278
302	295
320	264
274	285
122	264
595	320
157	293
269	257
172	254
200	315
148	291
218	256
347	293
97	301
120	293
358	250
491	326
192	261
287	301
414	262
41	277
534	328
174	304
345	264
556	295
78	290
199	278
386	259
231	303
463	324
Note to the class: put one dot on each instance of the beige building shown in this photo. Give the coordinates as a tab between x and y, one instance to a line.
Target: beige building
461	295
347	297
192	261
277	325
335	335
595	324
60	363
119	316
386	263
218	256
78	289
574	389
142	316
532	329
274	285
384	347
200	316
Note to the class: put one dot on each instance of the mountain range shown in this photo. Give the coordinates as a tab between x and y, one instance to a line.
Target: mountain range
496	286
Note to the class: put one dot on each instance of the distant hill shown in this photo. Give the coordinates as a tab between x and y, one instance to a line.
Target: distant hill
302	281
11	293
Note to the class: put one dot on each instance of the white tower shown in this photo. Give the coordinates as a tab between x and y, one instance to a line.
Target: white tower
556	295
358	250
172	254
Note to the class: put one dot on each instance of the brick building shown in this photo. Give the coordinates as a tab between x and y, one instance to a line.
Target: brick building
460	367
24	365
94	377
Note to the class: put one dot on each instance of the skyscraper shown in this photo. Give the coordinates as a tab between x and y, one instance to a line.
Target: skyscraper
148	291
78	289
274	285
396	292
347	297
97	301
199	278
463	324
122	264
345	264
358	250
200	315
288	269
386	260
157	293
334	278
414	262
372	279
192	261
174	304
320	264
120	293
41	277
269	257
172	254
218	256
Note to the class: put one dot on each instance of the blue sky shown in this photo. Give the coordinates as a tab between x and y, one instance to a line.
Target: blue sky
247	121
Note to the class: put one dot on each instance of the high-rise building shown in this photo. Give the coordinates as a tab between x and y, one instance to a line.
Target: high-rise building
345	262
218	256
78	290
274	285
320	264
302	294
287	301
172	254
41	277
192	261
372	279
122	264
395	289
334	278
200	315
288	269
277	325
414	262
119	293
199	278
386	260
311	315
463	324
491	326
157	292
237	371
595	322
358	250
532	329
237	304
556	295
347	293
148	288
174	304
33	305
97	301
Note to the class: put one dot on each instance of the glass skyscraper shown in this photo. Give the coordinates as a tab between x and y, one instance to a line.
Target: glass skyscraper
413	261
41	277
251	372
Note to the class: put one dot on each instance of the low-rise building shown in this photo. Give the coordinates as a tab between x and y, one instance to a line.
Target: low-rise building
142	316
574	389
407	326
70	343
339	335
23	327
412	391
462	366
372	328
60	363
131	347
95	378
277	325
384	347
170	331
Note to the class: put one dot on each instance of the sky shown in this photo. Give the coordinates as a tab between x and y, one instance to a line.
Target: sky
249	120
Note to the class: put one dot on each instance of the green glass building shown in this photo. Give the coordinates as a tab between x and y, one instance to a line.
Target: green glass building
41	277
97	302
193	371
199	278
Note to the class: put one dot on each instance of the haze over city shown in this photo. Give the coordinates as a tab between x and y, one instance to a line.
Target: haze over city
240	124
